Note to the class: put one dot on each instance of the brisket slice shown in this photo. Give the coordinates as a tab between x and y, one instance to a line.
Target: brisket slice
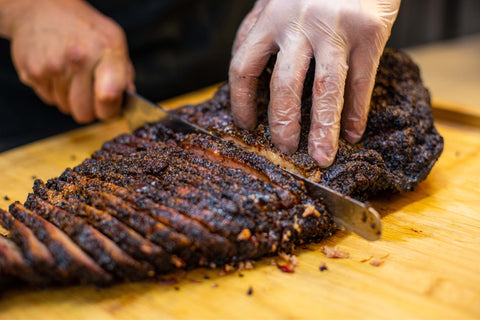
73	264
210	245
104	251
397	151
13	265
156	201
127	239
36	254
166	204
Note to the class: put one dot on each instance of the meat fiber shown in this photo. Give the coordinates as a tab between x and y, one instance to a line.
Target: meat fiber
156	201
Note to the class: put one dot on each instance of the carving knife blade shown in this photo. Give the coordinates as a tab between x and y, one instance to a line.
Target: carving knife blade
353	215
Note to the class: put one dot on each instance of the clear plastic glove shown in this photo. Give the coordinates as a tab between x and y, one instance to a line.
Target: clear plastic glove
346	38
70	54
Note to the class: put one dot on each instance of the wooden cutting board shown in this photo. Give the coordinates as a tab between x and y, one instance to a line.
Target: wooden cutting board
430	249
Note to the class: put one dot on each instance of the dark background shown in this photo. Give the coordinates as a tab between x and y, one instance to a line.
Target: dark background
192	41
423	21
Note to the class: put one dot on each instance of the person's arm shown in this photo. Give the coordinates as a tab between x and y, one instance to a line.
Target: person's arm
70	54
346	38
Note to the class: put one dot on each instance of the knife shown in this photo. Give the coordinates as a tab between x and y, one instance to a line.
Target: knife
351	214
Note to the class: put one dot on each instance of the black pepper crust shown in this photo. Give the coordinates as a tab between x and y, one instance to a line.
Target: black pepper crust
398	150
155	201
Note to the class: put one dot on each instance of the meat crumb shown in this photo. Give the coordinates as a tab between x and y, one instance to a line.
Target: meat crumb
6	198
287	268
245	234
34	177
291	262
323	267
335	253
226	270
292	259
206	277
215	285
179	263
377	262
309	210
250	291
176	288
247	265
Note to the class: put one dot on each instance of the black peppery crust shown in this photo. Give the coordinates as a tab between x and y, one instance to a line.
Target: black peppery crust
398	150
155	201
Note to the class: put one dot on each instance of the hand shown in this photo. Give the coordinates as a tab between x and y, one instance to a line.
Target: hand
72	56
346	38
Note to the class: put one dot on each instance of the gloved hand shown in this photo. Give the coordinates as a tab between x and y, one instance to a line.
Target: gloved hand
71	55
346	38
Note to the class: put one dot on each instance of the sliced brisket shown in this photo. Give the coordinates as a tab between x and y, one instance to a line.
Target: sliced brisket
155	201
397	151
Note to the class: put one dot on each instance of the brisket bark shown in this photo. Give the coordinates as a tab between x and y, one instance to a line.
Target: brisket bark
155	201
397	151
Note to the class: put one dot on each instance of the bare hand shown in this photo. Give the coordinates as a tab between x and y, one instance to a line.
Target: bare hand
72	56
346	38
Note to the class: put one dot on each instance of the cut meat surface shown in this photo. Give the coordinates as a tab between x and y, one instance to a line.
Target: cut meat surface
35	252
397	151
104	251
73	264
156	201
14	264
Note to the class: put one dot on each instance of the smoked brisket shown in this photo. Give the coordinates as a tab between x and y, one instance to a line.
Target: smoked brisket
397	151
155	201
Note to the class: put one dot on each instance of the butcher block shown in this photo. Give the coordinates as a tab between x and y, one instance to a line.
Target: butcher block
426	265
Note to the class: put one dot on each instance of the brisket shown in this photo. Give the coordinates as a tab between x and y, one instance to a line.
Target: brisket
397	151
156	201
104	251
73	264
13	264
35	252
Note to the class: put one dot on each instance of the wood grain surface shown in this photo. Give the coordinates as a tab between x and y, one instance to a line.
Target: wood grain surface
430	251
430	247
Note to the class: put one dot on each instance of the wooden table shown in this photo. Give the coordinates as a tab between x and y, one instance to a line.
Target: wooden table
430	248
451	70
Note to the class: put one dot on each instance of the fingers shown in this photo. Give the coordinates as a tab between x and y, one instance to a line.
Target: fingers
286	87
112	76
61	87
245	68
247	24
359	86
81	96
327	102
